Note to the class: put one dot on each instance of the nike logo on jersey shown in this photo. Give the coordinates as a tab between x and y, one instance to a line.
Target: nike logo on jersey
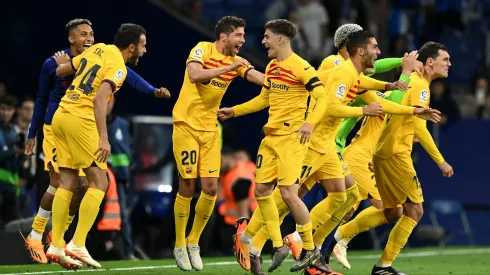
307	68
281	180
212	171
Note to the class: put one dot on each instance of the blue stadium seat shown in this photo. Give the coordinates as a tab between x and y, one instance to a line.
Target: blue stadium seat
450	209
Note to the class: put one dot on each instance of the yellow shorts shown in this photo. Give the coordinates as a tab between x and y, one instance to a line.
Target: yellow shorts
49	150
317	166
365	182
197	153
76	140
397	180
280	157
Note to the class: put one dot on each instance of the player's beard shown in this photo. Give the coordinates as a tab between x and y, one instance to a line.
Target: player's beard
133	60
229	48
368	59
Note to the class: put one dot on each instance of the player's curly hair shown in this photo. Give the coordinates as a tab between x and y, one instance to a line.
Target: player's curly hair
343	32
358	39
430	50
282	27
227	25
128	34
75	22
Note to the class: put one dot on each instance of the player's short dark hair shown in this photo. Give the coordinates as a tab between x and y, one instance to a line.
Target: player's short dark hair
75	23
430	50
358	39
228	24
9	100
282	27
128	34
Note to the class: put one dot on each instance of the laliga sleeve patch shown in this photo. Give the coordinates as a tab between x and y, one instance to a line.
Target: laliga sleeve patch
119	75
341	91
424	96
198	53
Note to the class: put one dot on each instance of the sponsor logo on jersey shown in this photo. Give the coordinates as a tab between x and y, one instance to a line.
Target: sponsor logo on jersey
337	62
341	91
218	84
424	96
198	53
279	86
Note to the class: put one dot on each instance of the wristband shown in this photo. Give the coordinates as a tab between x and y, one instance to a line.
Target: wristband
405	78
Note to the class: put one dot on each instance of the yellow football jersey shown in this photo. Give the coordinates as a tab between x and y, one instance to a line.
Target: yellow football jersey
330	62
362	145
341	84
198	102
397	136
99	63
287	88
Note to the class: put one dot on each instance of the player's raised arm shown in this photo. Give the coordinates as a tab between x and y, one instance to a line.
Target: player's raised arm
197	73
254	76
337	87
45	83
66	66
256	104
141	85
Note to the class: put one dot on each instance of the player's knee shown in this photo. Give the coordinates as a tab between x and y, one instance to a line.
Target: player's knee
349	214
82	185
209	186
262	190
393	214
187	187
415	211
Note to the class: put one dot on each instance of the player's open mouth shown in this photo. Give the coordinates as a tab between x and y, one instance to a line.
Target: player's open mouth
87	45
237	48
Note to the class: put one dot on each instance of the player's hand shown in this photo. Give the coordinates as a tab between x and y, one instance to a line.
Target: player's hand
239	62
428	114
104	150
446	169
29	149
373	109
304	132
371	166
225	113
61	58
411	64
162	93
397	85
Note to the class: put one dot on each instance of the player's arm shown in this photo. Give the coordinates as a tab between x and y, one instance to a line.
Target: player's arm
345	128
254	76
256	104
388	106
317	91
138	83
100	113
337	87
384	65
425	138
67	66
45	85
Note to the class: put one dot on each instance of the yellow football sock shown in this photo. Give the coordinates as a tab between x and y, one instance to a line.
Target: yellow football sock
89	209
39	224
204	209
271	217
398	238
68	222
370	217
263	235
255	224
352	195
306	236
326	208
182	207
61	204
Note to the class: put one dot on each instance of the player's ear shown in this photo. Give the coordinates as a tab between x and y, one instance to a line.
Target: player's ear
71	39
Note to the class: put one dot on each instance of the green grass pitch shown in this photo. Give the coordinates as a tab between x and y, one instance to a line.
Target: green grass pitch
428	261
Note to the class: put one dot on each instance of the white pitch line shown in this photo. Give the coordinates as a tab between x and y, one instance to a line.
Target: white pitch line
361	257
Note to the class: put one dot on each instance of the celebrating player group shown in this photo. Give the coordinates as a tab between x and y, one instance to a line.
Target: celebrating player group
311	112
